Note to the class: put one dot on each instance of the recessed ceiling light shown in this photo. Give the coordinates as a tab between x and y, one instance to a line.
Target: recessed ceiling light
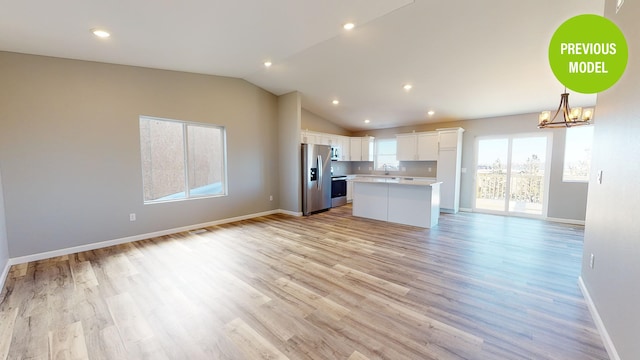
366	121
431	112
349	26
407	87
103	34
268	64
335	102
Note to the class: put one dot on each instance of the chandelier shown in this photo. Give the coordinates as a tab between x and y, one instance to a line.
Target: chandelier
570	117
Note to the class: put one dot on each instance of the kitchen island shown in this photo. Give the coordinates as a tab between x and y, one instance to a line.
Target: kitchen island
402	200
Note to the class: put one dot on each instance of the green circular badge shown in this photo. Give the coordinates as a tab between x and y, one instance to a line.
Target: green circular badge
588	53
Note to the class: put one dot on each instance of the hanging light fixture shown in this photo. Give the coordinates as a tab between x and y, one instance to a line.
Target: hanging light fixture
570	117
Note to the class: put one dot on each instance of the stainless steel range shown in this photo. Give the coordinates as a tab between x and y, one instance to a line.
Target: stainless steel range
338	191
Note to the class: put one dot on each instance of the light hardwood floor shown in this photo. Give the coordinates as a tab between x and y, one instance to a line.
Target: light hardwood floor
329	286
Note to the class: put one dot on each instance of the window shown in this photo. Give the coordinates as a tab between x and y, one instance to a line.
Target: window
181	160
385	159
577	154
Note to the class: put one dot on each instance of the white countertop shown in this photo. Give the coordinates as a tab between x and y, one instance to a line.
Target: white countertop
401	180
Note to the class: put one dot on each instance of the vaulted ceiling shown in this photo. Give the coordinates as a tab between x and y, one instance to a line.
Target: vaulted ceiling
465	59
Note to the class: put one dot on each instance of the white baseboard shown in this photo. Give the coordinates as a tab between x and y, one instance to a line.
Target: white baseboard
558	220
287	212
606	339
566	221
5	273
103	244
448	211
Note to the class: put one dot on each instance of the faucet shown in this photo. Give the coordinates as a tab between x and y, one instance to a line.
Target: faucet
386	170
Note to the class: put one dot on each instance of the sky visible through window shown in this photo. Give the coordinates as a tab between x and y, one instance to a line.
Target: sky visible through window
577	153
386	154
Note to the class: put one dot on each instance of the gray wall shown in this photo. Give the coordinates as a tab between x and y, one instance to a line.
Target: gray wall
289	114
70	153
4	244
612	232
566	200
313	122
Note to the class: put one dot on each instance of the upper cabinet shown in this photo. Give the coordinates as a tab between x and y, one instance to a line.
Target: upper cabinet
361	148
312	137
450	138
348	148
308	137
417	146
406	147
355	145
428	146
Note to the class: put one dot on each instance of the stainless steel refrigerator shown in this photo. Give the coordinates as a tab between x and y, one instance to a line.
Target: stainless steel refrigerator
316	178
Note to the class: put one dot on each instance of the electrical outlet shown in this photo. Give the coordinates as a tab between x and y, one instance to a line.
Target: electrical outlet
592	260
404	168
370	168
270	197
429	169
132	217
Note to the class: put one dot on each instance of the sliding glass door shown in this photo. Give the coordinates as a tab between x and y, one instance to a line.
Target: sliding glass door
491	174
512	174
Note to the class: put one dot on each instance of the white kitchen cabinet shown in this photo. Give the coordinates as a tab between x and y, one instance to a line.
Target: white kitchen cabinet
346	148
406	147
450	138
371	200
414	204
367	148
449	168
417	146
312	137
355	145
328	139
349	189
361	148
309	137
349	148
427	146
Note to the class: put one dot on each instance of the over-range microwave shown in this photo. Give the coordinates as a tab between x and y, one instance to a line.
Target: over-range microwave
335	153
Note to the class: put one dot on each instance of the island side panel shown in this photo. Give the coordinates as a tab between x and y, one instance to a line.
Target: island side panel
435	203
412	205
370	200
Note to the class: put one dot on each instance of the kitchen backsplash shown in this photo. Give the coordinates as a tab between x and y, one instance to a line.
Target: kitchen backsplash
407	168
418	168
341	167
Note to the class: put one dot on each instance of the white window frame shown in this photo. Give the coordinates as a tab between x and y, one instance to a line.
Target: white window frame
547	173
185	144
377	165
